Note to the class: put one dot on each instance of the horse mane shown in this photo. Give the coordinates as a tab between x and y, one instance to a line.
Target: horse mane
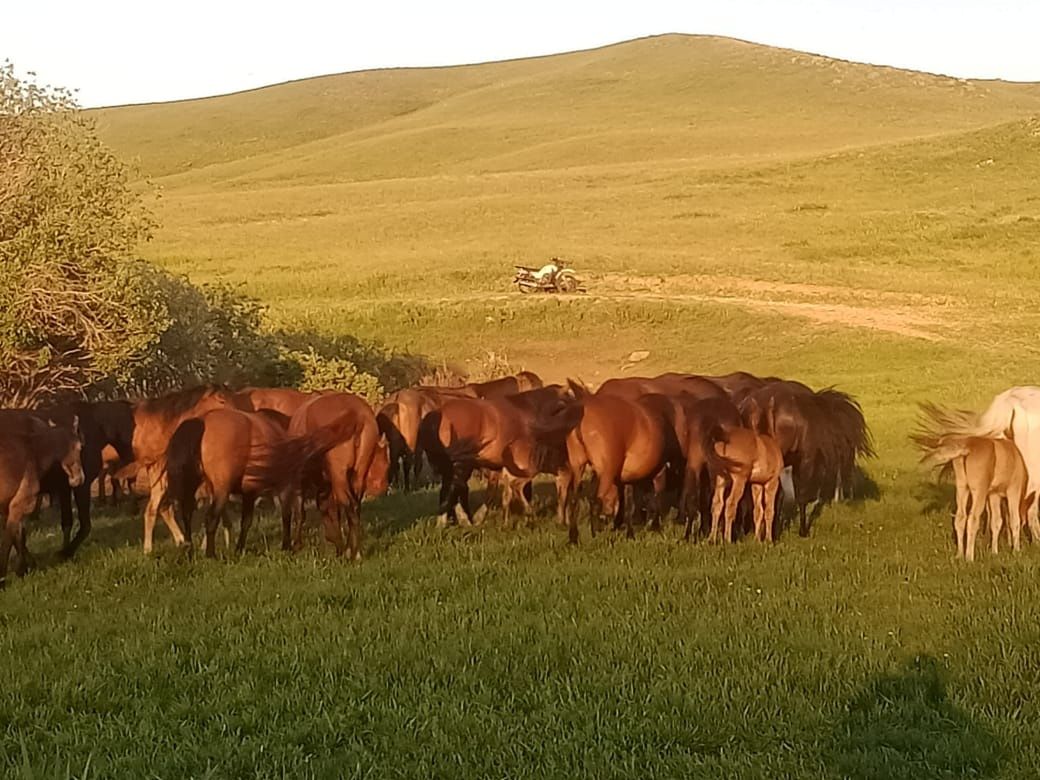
173	405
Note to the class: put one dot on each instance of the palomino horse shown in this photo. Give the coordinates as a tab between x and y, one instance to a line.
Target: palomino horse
749	458
356	467
987	471
29	448
224	450
623	442
1013	414
821	435
496	433
155	420
102	424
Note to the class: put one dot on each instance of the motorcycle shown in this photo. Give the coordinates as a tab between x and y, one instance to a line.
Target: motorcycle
550	278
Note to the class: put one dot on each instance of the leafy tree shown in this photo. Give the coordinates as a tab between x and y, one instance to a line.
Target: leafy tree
73	305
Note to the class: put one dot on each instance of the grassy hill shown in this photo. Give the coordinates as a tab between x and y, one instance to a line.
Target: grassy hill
732	206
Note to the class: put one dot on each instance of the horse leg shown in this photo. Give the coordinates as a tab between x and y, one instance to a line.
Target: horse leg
446	502
960	519
248	505
82	496
718	507
733	503
462	506
329	509
1014	501
1033	516
287	499
978	504
154	497
611	501
690	488
213	519
354	528
996	521
757	503
165	510
63	495
772	492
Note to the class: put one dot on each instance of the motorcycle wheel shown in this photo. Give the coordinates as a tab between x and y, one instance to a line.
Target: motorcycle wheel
567	284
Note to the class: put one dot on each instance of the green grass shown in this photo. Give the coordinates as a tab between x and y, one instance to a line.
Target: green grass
731	206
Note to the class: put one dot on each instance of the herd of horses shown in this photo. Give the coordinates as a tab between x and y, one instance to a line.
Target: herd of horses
715	449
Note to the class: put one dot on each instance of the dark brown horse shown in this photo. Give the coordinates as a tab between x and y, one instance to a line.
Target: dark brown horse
623	442
101	424
230	452
708	421
29	448
821	435
470	433
155	420
357	467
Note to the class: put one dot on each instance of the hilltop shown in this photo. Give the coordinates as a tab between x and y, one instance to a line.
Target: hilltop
715	100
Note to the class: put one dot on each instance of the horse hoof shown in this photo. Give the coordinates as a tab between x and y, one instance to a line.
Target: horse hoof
442	520
480	515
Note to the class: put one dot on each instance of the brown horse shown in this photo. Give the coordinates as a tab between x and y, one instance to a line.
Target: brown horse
399	419
708	421
623	442
285	400
358	466
470	433
100	424
750	459
504	386
29	448
155	420
225	450
632	387
821	435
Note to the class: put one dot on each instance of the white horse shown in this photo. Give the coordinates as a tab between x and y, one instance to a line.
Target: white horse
1015	415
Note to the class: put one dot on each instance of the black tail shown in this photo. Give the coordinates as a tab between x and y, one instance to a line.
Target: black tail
184	469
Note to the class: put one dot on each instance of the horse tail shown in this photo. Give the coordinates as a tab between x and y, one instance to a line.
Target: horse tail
285	463
940	450
184	467
550	430
428	442
711	435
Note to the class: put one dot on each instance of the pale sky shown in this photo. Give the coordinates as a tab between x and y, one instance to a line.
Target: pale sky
114	51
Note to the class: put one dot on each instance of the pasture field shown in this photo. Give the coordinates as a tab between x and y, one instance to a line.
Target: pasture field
731	207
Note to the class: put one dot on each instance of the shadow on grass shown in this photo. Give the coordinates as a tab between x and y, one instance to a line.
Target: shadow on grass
902	725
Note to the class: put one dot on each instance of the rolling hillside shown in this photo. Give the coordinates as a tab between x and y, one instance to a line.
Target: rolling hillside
688	177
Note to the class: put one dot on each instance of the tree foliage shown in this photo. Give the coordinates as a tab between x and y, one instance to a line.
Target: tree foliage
73	303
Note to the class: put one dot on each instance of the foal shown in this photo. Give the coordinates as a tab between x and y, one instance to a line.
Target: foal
986	471
752	459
